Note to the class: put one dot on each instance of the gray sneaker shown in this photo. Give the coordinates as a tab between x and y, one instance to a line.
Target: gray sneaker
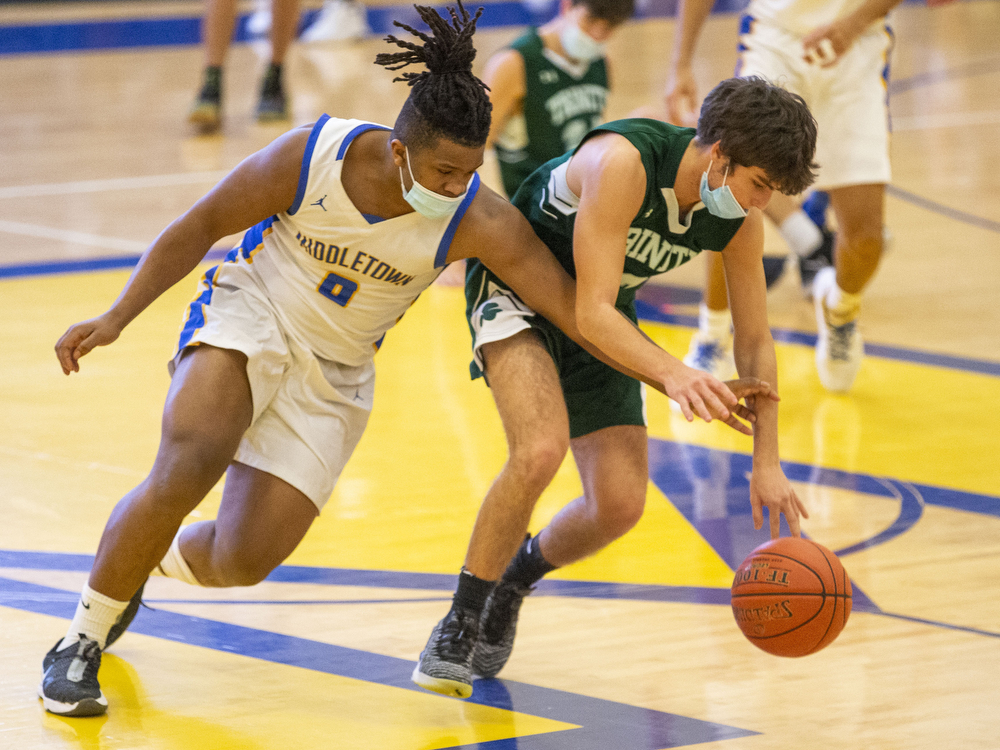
126	617
445	664
497	628
69	680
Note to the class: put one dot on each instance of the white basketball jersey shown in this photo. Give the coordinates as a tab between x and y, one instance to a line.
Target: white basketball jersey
339	279
801	16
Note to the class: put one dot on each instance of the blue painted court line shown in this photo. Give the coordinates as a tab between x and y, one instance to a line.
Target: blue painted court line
952	213
600	724
656	314
969	70
653	304
138	33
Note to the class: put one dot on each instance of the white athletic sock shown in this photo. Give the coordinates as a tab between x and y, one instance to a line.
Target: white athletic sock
714	323
95	615
802	236
173	564
842	306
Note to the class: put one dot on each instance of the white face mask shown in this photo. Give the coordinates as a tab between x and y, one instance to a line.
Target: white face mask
579	45
426	202
720	202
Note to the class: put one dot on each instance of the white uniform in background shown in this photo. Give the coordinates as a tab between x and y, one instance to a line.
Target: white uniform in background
849	100
308	296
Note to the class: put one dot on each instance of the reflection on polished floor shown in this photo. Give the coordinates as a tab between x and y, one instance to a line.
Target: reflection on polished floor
634	648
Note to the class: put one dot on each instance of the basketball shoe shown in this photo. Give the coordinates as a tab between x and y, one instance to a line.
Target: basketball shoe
445	664
206	112
816	261
126	617
338	21
69	679
497	628
839	348
273	105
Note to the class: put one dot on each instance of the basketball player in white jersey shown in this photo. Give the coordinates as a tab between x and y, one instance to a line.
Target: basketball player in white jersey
835	54
274	375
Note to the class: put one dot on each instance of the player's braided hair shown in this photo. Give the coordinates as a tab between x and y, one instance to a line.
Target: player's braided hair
446	99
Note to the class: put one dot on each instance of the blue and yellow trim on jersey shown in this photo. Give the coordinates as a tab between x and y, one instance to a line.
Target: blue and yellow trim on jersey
253	239
196	310
252	243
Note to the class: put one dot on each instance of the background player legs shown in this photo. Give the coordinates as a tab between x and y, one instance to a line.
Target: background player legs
217	30
525	386
859	211
208	409
217	33
811	244
613	466
260	522
839	347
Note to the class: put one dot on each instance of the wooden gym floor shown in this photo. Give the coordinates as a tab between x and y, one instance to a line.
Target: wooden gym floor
635	648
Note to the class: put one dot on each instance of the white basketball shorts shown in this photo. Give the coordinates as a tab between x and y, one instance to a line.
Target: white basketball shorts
849	100
308	413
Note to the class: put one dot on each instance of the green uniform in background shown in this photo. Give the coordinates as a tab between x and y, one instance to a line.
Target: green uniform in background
598	396
562	103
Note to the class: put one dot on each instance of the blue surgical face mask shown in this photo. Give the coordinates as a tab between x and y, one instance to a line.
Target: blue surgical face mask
426	202
579	45
720	202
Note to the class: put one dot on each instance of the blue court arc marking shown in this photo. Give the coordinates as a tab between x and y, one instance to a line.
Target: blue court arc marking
601	723
708	486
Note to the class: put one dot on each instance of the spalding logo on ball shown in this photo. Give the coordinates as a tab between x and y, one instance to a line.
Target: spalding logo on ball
791	597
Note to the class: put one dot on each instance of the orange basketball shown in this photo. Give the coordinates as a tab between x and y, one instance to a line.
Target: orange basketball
791	597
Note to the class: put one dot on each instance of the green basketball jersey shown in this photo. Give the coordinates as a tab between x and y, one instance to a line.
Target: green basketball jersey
562	102
657	240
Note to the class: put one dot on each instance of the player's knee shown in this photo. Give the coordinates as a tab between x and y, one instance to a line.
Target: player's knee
239	568
537	460
187	461
621	516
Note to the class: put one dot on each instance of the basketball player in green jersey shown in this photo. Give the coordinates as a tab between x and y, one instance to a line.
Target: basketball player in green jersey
550	87
636	198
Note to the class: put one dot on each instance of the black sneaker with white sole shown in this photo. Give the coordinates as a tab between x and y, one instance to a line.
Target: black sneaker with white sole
126	617
445	664
816	261
69	679
498	627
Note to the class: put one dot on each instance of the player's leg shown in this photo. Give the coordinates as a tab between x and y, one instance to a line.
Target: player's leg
853	152
217	33
208	408
273	103
525	385
260	522
614	468
806	235
839	346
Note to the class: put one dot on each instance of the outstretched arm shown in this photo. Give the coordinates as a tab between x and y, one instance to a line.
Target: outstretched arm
500	236
753	349
260	186
608	175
